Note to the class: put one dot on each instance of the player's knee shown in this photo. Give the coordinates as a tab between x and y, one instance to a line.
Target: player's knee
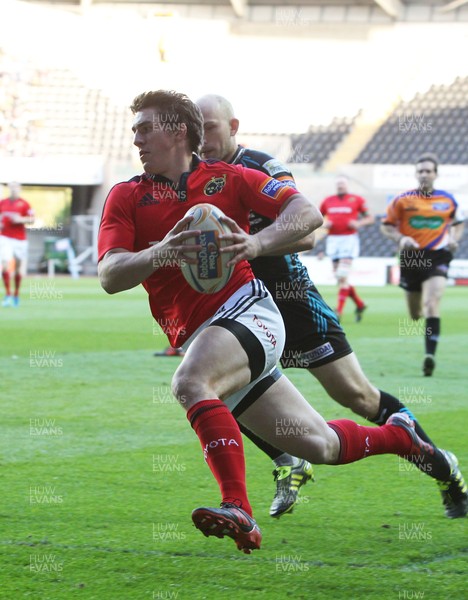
358	396
183	385
322	449
416	312
431	308
364	404
187	386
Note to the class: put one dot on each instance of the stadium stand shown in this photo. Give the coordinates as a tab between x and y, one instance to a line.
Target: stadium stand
67	117
318	143
436	121
17	126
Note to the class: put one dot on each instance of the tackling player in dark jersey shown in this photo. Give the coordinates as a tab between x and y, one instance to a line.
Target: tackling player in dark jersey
314	338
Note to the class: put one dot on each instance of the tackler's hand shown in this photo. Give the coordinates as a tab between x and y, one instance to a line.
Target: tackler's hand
242	245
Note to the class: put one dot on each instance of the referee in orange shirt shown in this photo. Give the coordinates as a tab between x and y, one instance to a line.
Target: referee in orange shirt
427	223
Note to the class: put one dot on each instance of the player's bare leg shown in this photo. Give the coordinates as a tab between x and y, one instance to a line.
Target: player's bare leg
432	292
18	276
286	420
215	367
414	304
7	269
346	383
295	427
342	269
298	429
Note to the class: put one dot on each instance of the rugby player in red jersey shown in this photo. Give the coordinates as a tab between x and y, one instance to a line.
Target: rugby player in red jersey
427	224
234	337
314	339
344	214
15	213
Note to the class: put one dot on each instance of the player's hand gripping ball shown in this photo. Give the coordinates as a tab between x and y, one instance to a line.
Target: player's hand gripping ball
210	273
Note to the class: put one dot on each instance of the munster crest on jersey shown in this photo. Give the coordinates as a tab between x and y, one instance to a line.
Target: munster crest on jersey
214	185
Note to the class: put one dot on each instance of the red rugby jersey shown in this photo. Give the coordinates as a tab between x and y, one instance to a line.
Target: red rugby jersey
145	208
20	207
340	210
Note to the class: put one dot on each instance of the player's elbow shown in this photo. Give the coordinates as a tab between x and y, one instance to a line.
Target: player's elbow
308	243
109	288
317	219
107	285
106	280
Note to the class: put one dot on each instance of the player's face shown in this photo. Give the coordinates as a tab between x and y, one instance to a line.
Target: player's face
341	186
217	137
14	190
154	136
426	174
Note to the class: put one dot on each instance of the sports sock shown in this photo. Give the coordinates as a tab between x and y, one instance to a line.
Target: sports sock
354	296
343	293
390	405
18	278
222	445
358	442
432	333
6	281
271	451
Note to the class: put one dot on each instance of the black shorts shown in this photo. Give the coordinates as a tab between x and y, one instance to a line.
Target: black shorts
314	336
417	266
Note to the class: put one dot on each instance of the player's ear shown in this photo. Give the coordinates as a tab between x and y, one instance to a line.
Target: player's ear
180	132
234	126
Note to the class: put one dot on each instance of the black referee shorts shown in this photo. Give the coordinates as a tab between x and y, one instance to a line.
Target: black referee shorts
417	266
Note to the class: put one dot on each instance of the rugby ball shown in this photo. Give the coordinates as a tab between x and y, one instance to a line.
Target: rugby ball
210	273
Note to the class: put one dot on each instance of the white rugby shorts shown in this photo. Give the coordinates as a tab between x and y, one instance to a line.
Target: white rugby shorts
251	308
12	248
342	246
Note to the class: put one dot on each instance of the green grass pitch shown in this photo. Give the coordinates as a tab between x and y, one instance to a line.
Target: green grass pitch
100	469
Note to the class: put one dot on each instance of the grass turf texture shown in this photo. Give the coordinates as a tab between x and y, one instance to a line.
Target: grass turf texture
100	469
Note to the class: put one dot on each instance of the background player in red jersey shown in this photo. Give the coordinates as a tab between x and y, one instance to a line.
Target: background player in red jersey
427	224
231	358
344	214
15	213
310	325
